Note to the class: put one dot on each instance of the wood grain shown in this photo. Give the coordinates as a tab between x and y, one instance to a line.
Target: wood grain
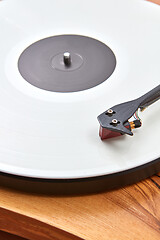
155	1
130	213
7	236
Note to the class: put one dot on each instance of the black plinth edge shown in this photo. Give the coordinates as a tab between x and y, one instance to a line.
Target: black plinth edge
80	186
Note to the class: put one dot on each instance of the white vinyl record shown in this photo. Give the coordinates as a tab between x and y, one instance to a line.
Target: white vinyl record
55	135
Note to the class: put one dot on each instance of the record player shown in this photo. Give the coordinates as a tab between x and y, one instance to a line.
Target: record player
65	63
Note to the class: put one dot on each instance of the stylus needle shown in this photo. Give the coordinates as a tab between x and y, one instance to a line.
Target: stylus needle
116	120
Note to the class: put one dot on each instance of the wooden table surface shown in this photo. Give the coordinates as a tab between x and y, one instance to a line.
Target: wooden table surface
130	213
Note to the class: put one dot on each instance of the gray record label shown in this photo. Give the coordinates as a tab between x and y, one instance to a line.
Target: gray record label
67	63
